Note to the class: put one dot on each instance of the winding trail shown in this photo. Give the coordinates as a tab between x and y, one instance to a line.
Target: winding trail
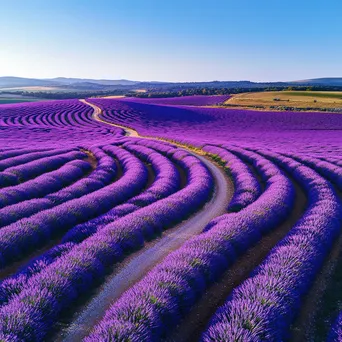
96	116
135	267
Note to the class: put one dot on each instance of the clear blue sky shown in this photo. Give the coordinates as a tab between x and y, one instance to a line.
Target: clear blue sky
176	40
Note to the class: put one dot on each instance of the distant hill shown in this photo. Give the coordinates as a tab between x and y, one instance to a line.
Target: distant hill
70	81
83	83
328	81
64	87
13	82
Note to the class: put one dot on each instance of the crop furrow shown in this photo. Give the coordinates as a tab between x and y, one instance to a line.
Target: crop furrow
134	268
33	232
264	306
247	188
196	321
183	276
125	234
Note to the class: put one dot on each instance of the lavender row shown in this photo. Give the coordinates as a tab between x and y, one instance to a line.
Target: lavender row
44	184
165	171
65	123
20	157
166	182
334	160
12	213
103	173
326	169
246	186
29	157
11	153
23	236
13	285
51	291
292	130
167	293
24	172
264	306
51	114
82	231
167	179
263	166
279	195
22	210
162	147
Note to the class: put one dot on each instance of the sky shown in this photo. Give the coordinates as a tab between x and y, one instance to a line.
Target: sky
178	40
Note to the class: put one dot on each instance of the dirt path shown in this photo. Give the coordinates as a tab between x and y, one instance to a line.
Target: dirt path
97	117
136	267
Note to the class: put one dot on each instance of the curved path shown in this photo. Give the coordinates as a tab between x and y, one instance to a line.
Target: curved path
133	269
96	116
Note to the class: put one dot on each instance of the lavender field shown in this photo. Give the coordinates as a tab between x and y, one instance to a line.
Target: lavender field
169	220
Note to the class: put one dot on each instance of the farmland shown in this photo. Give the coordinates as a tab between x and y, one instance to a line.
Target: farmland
305	100
133	219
